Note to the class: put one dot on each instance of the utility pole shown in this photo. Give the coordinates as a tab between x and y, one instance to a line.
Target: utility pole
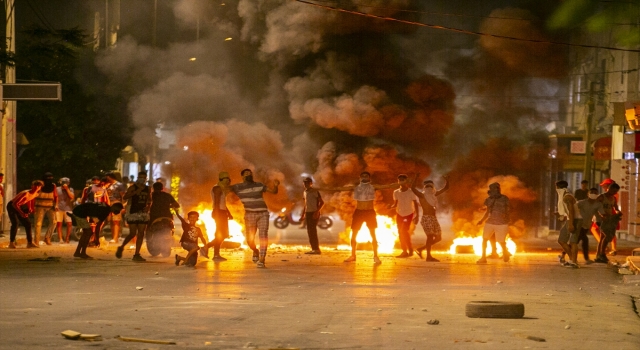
8	156
588	159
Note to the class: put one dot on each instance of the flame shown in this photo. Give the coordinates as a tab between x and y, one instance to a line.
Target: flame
476	242
235	229
386	233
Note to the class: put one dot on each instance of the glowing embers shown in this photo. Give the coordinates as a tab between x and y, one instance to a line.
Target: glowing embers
473	245
235	229
386	234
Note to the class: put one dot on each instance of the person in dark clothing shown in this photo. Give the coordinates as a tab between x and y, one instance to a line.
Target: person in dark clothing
189	240
84	215
138	197
582	192
161	203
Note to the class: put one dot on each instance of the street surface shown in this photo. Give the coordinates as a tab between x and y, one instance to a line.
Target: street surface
310	302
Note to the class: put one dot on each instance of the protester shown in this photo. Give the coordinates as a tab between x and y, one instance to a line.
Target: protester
430	225
582	192
220	214
161	203
588	208
406	204
115	191
313	204
18	210
137	214
609	221
256	216
567	215
65	204
46	206
87	213
364	194
497	221
189	240
95	193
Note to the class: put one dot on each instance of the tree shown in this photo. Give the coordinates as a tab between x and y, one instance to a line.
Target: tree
621	17
83	134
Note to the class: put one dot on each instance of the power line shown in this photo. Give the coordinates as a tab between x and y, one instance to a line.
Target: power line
463	31
41	17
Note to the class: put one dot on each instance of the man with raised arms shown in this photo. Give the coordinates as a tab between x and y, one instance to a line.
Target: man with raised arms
364	194
256	214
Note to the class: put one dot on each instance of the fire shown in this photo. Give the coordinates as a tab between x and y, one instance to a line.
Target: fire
476	242
386	233
235	229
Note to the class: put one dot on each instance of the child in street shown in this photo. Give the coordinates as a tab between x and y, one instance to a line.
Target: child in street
189	240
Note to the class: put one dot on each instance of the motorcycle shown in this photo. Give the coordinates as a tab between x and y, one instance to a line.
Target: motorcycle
284	219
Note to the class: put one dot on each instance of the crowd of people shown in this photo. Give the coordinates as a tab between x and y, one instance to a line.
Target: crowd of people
108	200
587	211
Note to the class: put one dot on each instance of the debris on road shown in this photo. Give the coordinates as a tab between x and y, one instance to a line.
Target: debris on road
141	340
625	271
73	335
139	288
47	259
69	334
494	309
433	322
538	339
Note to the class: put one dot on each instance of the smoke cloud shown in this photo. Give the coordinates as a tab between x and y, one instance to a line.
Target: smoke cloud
286	88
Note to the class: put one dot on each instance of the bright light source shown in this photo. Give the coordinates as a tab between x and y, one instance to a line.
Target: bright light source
228	39
186	148
167	162
192	59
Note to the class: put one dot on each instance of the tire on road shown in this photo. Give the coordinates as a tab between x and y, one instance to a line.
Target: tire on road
494	309
281	222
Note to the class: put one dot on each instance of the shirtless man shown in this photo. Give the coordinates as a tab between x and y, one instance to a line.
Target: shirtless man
220	214
19	209
364	194
430	225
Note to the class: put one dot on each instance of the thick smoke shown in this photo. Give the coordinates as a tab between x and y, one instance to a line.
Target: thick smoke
286	88
204	149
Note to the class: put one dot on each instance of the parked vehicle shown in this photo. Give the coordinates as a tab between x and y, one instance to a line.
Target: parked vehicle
284	219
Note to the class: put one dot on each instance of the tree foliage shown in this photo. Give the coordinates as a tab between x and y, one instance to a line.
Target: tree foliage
621	17
80	136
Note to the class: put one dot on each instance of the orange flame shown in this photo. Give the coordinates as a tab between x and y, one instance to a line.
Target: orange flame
476	242
386	234
235	229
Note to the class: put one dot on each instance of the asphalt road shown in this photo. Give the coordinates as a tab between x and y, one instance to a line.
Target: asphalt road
310	302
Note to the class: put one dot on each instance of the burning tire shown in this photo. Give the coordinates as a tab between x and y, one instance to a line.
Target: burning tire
494	309
325	222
